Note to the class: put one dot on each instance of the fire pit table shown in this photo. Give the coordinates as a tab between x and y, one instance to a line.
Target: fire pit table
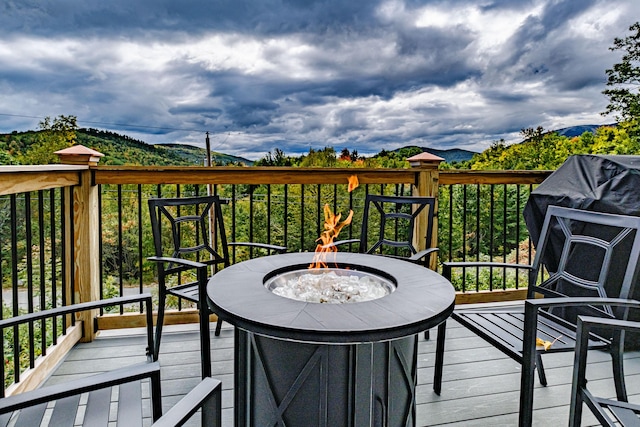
327	364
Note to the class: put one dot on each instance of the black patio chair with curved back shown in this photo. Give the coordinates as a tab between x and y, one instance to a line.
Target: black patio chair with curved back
115	397
609	412
585	263
393	220
190	239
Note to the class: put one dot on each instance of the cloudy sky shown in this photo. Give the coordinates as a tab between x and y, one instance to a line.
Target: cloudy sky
294	74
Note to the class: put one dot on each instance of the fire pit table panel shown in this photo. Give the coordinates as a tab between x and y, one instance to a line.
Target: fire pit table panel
423	299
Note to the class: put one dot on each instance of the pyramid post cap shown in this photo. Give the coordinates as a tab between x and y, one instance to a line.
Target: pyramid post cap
79	155
424	159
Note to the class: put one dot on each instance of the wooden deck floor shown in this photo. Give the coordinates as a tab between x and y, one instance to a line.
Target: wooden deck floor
480	387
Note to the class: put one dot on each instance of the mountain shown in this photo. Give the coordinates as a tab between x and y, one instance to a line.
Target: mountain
122	150
196	155
450	156
572	131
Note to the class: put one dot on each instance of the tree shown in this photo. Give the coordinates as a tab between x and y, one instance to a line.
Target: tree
624	78
325	157
54	135
277	159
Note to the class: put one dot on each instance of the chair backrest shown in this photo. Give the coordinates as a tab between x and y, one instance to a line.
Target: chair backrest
586	253
189	228
390	223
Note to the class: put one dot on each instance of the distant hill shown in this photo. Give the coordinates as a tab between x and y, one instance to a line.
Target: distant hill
123	150
120	149
196	155
572	131
450	156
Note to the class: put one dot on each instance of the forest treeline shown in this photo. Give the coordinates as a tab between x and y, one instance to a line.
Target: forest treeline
539	150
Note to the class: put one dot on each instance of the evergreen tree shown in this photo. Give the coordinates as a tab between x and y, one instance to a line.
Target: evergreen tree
624	78
56	134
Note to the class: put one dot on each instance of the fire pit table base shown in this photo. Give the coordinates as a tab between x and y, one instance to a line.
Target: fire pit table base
301	363
283	382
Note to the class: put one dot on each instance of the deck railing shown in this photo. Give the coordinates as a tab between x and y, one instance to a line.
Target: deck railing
77	233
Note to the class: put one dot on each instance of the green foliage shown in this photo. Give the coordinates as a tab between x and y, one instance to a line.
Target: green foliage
624	78
55	134
277	159
37	147
548	150
325	157
122	150
486	279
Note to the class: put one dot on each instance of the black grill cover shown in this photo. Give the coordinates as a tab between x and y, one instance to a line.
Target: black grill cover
591	182
596	183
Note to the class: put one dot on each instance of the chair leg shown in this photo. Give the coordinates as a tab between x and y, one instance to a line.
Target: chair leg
541	375
162	298
527	375
437	373
205	341
218	326
617	354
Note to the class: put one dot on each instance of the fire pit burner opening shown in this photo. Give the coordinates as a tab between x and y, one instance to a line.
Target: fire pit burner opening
329	285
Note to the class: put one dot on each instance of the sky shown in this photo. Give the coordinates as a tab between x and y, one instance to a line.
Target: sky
365	75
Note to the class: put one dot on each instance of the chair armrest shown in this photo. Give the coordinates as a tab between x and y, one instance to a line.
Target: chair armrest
187	264
422	254
275	248
449	265
74	308
207	392
344	242
586	322
531	307
579	301
79	386
92	305
467	264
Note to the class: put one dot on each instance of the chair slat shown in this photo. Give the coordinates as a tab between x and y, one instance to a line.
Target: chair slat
627	417
480	323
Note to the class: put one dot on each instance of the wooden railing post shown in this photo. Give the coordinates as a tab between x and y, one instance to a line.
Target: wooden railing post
86	250
426	185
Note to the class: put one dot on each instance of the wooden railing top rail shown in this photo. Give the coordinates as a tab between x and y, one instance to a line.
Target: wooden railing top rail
291	175
448	177
247	175
22	179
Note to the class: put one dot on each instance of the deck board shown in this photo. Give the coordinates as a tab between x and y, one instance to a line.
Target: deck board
480	384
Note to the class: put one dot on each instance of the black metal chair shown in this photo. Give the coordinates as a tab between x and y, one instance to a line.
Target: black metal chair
189	238
62	404
393	220
609	412
582	259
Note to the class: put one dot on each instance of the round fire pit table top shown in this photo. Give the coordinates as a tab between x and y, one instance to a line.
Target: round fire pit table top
422	299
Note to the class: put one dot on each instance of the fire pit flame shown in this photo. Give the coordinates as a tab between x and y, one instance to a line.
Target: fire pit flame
322	284
332	227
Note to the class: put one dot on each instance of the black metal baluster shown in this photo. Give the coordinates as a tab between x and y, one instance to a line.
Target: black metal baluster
14	284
